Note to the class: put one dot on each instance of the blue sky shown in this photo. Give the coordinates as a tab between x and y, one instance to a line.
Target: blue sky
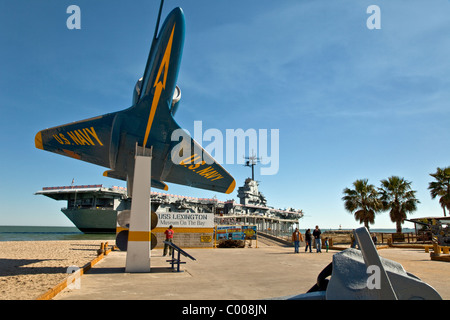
349	102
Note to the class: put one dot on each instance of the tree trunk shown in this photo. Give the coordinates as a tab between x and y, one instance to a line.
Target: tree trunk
399	226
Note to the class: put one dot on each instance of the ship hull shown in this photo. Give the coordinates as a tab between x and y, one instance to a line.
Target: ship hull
93	220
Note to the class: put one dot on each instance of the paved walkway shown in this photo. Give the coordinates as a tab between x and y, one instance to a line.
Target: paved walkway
234	274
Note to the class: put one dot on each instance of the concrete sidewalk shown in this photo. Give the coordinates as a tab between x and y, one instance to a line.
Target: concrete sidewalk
234	274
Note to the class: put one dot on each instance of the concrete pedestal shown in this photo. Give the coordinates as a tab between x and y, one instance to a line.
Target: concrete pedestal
139	236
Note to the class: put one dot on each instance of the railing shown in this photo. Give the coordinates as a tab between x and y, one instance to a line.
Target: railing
283	235
344	239
382	238
404	238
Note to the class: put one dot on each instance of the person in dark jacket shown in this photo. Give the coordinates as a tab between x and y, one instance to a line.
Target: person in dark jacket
317	239
308	240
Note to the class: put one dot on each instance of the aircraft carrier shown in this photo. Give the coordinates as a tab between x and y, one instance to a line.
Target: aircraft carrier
94	208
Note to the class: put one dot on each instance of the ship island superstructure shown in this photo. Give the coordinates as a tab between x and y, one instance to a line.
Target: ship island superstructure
94	208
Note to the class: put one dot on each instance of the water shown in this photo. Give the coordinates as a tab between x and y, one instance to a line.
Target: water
42	233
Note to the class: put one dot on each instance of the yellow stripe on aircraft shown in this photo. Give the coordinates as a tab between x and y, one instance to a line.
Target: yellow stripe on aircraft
159	85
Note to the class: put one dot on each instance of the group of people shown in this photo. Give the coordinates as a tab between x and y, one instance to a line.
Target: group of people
297	238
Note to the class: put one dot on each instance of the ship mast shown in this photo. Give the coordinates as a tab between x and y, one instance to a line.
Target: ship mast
251	162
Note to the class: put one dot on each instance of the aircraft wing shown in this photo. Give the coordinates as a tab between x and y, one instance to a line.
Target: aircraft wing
86	140
194	166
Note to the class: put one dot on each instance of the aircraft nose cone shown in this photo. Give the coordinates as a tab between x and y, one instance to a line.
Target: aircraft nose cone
178	10
177	14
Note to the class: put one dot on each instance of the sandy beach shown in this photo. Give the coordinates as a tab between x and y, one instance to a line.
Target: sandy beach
30	268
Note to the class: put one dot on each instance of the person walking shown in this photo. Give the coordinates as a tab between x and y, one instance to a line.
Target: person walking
169	238
296	238
374	239
308	240
352	239
317	239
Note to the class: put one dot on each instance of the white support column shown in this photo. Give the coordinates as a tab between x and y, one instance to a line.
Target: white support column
139	236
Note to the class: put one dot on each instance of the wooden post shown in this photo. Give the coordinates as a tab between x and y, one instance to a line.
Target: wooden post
215	236
436	249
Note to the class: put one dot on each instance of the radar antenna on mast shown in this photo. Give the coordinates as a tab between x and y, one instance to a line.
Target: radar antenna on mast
251	161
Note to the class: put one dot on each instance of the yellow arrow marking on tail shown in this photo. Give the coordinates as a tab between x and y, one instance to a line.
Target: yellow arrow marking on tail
159	86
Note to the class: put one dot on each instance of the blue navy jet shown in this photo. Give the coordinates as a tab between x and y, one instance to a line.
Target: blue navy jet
111	140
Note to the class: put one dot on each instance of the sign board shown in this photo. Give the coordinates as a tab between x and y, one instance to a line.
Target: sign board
236	232
185	220
205	238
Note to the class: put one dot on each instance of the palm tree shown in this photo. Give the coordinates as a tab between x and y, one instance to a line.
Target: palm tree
362	201
396	195
441	187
